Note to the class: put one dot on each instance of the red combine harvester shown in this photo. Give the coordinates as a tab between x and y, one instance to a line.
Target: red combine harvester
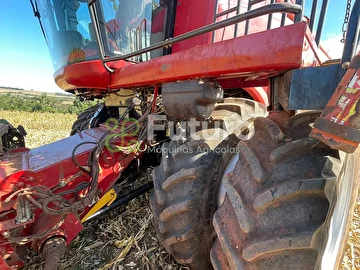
227	94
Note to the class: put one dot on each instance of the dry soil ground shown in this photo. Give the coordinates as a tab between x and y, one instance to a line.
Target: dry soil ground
124	239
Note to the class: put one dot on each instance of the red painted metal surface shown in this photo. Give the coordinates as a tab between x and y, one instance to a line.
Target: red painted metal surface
235	62
236	83
51	166
276	50
244	62
9	257
191	15
255	25
339	124
259	94
250	59
88	74
3	265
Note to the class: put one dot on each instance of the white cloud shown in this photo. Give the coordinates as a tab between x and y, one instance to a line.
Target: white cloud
333	46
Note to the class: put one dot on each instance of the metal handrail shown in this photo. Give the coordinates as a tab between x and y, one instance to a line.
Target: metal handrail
283	18
225	12
320	26
313	14
265	10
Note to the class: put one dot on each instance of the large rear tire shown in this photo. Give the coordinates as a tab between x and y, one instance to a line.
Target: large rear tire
278	201
187	181
90	118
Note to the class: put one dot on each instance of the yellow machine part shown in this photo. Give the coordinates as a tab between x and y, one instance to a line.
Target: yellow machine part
107	199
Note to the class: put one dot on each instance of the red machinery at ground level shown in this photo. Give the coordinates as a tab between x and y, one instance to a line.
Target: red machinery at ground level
257	192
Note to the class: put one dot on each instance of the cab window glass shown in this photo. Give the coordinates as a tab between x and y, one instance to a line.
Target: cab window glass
131	25
69	31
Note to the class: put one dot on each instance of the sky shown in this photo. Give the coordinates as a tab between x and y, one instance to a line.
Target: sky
25	60
24	57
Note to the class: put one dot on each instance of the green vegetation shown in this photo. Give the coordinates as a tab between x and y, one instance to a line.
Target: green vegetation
17	101
41	127
12	88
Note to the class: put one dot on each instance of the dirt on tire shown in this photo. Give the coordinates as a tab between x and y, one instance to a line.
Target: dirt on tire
277	199
186	182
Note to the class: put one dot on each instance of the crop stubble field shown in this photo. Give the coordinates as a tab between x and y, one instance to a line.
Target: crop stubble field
125	238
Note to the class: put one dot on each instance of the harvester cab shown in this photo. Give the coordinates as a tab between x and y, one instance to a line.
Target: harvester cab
226	93
76	33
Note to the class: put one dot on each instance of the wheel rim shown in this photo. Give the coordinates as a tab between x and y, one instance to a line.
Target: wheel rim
340	219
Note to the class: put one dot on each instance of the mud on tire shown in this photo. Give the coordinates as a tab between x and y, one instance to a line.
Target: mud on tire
277	198
187	181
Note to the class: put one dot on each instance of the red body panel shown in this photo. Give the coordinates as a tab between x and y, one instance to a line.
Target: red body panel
276	50
191	15
255	25
83	75
49	165
90	74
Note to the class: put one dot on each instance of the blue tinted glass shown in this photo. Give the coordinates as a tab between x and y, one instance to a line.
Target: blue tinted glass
131	25
68	30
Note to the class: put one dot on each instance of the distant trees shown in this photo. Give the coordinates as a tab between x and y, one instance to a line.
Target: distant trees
43	103
11	88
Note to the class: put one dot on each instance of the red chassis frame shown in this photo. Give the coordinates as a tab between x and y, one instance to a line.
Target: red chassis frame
51	166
